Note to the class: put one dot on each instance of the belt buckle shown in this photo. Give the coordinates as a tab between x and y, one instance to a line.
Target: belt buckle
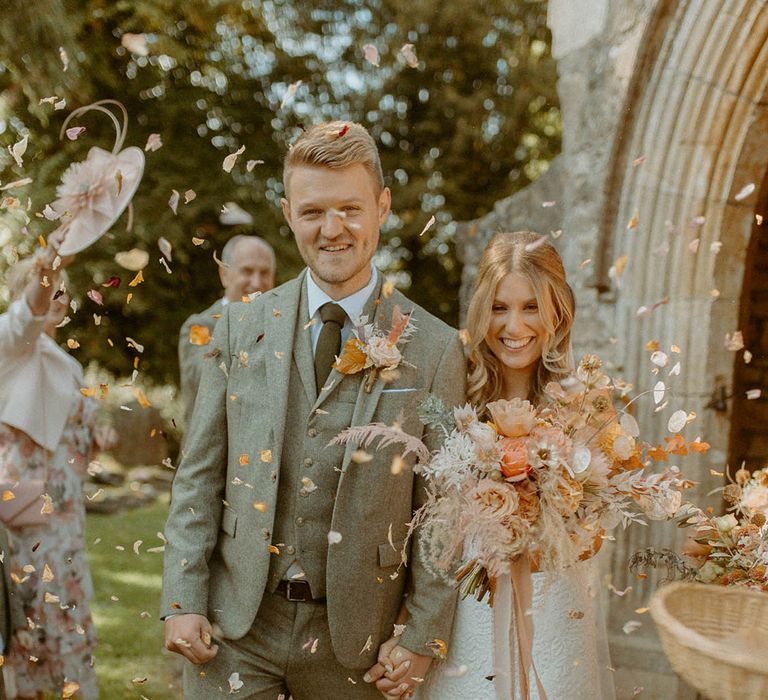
288	596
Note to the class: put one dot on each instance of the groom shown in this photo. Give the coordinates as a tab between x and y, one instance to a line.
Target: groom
282	564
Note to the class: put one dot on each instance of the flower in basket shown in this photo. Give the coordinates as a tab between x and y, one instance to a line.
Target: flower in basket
728	550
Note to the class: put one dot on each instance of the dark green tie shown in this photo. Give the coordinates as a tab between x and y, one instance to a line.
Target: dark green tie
329	341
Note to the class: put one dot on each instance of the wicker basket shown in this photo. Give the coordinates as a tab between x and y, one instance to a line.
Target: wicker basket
716	638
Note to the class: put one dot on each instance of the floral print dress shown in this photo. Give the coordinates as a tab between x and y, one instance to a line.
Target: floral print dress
48	564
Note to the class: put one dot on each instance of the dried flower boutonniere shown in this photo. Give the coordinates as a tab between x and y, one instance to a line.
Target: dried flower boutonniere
371	348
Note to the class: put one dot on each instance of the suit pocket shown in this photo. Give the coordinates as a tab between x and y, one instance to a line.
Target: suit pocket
229	521
389	556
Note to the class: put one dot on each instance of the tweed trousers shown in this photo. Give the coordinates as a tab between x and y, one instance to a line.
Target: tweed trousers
286	652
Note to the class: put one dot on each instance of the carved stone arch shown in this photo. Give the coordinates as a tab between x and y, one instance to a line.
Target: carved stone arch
698	115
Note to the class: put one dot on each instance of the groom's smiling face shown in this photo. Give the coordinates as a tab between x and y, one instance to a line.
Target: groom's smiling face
335	215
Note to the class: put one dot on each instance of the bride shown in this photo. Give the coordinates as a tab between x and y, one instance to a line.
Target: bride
519	322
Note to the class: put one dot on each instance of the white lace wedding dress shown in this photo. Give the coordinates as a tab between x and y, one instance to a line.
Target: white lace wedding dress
570	650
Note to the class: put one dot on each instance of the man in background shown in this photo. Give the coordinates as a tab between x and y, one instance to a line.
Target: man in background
248	267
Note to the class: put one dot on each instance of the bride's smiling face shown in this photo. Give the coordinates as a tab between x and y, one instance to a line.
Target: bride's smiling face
516	332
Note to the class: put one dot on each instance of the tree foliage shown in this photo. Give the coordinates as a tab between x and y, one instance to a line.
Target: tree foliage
476	120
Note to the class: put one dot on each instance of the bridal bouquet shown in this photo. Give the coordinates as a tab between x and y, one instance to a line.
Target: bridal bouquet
545	483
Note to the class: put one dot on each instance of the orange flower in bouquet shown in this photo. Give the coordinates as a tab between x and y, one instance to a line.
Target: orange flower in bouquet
514	458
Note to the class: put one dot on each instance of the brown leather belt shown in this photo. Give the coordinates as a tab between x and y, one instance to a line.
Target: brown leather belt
296	591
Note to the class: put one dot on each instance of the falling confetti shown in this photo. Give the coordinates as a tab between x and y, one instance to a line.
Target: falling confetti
631	626
50	213
133	260
529	247
290	93
231	159
18	150
234	682
745	191
371	54
677	421
135	43
154	143
199	335
408	52
173	202
165	245
429	225
74	132
734	341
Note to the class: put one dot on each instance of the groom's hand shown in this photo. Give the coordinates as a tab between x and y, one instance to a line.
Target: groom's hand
398	670
190	635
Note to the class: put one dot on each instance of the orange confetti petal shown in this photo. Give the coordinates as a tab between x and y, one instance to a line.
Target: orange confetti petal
136	280
199	335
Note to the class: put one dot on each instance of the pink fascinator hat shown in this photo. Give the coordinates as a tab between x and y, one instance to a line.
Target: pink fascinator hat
94	193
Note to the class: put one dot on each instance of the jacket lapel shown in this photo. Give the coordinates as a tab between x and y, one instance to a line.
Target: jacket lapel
280	325
379	312
302	346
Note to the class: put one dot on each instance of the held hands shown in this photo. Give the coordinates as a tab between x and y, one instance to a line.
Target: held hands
189	635
398	670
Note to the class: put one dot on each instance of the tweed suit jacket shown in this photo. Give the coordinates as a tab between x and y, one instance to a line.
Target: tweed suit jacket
217	556
191	356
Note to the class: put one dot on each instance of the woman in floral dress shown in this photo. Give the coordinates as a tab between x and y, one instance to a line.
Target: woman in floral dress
47	431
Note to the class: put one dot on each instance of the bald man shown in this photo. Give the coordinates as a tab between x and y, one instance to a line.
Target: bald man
248	267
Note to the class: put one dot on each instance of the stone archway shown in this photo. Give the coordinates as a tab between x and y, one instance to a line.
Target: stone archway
697	134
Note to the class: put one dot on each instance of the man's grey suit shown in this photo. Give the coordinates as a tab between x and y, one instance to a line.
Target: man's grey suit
258	474
192	357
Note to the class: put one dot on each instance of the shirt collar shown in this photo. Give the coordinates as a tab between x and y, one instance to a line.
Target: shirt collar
353	304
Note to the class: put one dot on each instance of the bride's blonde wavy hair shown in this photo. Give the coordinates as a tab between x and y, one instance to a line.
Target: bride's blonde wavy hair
540	263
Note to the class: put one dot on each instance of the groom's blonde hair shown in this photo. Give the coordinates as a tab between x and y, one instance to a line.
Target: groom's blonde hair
335	145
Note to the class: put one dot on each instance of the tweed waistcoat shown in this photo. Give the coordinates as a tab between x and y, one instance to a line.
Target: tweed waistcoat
309	467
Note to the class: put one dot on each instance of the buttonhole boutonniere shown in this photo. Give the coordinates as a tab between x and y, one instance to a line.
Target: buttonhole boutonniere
369	348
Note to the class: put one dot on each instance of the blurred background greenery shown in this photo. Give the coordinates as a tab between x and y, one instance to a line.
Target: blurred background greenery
475	121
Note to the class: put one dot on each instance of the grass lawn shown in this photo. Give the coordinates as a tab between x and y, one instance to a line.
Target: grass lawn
126	606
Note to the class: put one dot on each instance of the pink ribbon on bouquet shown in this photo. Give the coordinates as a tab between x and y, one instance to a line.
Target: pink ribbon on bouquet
513	633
